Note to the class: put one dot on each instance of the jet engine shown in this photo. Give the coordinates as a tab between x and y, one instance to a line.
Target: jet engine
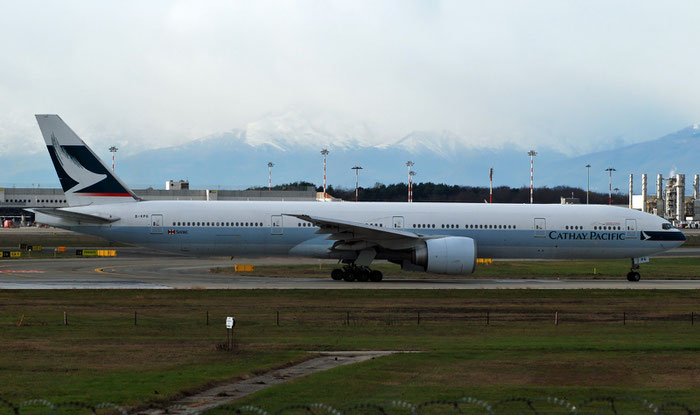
455	255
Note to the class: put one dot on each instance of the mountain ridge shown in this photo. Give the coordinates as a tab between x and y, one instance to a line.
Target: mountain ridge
235	159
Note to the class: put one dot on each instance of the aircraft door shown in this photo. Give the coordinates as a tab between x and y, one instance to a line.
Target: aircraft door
156	224
397	222
630	228
276	225
540	227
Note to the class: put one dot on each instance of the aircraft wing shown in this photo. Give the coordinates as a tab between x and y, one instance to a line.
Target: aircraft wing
74	216
356	236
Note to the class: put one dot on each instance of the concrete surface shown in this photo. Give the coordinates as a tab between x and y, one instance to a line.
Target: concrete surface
168	272
232	391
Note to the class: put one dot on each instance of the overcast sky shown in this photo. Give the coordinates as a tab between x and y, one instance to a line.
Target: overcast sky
576	75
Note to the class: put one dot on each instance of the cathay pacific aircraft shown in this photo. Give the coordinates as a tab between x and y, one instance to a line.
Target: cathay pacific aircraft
443	238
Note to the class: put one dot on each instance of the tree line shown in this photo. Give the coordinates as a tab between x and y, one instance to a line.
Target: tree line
440	192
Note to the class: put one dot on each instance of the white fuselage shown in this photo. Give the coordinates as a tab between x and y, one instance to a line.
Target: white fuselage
264	229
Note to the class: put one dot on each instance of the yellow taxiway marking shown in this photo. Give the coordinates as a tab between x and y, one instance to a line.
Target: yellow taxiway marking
101	270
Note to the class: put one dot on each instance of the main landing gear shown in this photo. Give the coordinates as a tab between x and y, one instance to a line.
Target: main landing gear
353	272
634	275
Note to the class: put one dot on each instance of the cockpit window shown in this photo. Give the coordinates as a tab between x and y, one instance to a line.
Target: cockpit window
666	225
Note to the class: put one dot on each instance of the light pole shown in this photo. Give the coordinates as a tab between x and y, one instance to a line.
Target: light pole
357	180
610	170
270	165
410	164
325	153
410	176
532	154
491	185
113	150
588	186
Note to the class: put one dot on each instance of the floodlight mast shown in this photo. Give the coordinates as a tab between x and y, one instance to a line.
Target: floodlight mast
113	150
410	164
325	153
532	154
357	180
411	174
610	170
588	186
270	165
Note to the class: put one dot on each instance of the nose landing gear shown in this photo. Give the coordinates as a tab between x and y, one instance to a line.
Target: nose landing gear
634	275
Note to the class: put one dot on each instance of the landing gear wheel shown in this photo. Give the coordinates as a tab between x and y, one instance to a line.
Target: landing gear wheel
349	275
362	274
375	276
633	275
337	274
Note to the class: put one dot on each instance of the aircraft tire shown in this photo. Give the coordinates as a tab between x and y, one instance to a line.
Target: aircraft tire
375	276
362	275
348	275
337	274
633	276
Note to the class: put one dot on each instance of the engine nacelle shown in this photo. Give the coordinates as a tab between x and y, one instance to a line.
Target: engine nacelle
454	255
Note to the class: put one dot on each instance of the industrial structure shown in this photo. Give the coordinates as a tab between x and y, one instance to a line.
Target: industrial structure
670	200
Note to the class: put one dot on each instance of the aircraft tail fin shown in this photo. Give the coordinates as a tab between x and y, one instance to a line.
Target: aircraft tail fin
85	179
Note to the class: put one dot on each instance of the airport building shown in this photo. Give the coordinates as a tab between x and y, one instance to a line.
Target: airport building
14	200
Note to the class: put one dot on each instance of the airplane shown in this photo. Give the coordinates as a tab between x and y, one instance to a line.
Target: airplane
443	238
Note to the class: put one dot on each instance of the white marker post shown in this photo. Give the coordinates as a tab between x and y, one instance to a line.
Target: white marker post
230	324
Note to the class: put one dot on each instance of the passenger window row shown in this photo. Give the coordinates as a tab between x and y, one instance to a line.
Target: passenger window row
607	228
490	226
471	226
234	224
38	201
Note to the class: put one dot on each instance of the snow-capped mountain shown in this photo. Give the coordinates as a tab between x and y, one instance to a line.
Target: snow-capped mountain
293	130
238	158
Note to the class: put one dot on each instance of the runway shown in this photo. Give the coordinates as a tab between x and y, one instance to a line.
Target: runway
139	270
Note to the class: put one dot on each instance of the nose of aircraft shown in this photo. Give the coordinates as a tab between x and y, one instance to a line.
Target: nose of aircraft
681	236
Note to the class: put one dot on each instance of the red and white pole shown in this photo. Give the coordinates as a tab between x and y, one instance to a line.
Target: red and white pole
325	153
113	150
269	176
410	181
532	154
610	170
491	185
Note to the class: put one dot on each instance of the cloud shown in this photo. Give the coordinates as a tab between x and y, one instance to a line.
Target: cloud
563	74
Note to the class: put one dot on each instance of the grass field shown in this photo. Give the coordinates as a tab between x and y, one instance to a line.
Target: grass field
103	356
657	268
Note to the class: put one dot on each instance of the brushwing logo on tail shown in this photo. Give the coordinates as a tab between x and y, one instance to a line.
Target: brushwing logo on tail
76	171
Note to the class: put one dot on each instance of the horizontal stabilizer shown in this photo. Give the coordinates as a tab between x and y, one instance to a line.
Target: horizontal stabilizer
80	218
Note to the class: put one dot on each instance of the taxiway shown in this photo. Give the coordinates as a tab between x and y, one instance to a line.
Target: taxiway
135	269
